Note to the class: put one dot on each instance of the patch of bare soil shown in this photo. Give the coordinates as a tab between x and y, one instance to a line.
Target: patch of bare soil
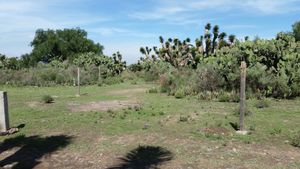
127	92
216	131
147	150
102	105
34	104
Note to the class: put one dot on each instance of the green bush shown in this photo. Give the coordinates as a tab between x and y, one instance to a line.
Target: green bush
224	97
276	131
153	90
207	79
179	94
47	99
295	139
113	80
263	103
183	118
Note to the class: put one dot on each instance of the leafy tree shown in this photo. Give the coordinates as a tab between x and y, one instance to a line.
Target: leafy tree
231	39
9	62
296	30
61	45
2	61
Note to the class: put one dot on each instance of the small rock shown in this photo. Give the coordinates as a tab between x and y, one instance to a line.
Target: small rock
8	166
146	126
242	132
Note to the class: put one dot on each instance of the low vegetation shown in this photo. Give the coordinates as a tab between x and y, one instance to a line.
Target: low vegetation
47	99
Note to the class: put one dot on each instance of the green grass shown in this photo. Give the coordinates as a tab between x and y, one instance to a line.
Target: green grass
270	126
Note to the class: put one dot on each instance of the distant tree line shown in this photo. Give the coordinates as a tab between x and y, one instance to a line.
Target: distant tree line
58	52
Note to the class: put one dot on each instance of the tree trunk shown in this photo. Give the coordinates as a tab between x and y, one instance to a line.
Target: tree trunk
242	95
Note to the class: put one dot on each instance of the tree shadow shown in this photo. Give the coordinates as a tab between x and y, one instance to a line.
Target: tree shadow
235	126
144	157
32	149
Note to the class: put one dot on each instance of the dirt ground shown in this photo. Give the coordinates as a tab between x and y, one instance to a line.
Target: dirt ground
156	151
140	149
102	105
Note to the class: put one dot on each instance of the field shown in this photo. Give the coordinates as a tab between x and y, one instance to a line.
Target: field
125	126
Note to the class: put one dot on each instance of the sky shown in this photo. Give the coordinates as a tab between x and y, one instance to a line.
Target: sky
126	25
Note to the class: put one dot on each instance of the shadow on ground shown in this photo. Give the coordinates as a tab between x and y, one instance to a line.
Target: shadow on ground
31	149
144	157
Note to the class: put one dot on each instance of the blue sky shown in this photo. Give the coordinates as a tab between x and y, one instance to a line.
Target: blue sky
126	25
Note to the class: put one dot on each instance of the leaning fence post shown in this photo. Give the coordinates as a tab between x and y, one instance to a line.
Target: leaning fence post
4	121
242	95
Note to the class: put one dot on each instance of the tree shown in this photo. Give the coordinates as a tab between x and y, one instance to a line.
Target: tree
61	45
222	41
207	37
231	39
118	65
216	34
296	30
2	61
9	62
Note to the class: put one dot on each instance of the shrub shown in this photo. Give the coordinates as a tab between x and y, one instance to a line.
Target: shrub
224	97
295	139
137	108
183	118
153	90
262	103
275	131
164	84
161	113
47	99
113	80
179	94
207	79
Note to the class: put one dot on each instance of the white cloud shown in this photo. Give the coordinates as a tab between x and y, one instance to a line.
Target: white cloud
239	26
20	19
168	10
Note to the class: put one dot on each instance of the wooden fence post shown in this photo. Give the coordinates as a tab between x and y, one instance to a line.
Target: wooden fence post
243	95
4	121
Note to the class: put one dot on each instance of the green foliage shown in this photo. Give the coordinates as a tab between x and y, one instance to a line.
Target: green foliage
262	103
9	62
273	66
183	118
224	97
61	45
113	80
296	30
207	78
47	99
276	131
295	139
179	94
153	90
